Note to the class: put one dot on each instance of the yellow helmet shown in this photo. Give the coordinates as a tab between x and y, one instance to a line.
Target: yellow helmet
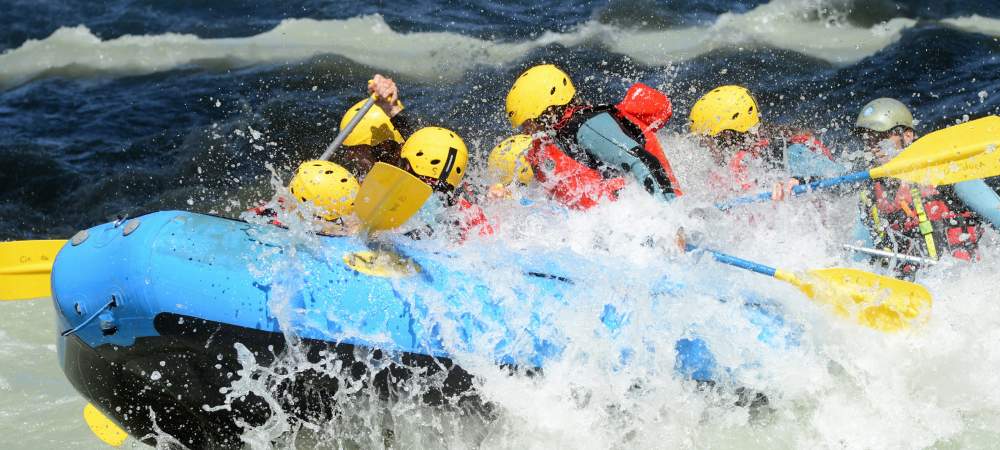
437	153
724	108
537	89
507	160
373	129
327	185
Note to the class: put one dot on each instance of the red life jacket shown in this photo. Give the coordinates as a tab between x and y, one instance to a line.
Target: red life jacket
954	231
579	186
472	218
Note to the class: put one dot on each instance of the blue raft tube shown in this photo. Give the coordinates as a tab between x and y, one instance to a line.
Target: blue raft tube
175	294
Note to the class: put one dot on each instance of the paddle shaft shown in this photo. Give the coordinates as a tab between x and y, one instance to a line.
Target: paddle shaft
872	251
347	130
748	265
914	158
800	189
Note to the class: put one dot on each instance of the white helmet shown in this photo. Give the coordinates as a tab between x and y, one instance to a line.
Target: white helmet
884	114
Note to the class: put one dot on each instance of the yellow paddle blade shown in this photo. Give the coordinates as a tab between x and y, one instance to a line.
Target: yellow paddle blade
958	153
25	268
105	430
876	301
388	197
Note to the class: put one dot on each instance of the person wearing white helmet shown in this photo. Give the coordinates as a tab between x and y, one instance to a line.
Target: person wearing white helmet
885	127
913	220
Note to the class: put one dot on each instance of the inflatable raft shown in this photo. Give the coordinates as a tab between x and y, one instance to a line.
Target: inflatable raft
154	311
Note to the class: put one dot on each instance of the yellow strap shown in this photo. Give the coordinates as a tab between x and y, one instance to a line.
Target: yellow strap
873	208
926	228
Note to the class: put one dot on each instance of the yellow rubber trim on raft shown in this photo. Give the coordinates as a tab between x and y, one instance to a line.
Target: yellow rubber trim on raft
380	264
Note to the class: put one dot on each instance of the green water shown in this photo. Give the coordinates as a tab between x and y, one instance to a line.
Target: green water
39	409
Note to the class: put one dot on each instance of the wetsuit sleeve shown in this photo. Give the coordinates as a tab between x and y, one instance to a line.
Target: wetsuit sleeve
980	198
405	124
805	164
603	138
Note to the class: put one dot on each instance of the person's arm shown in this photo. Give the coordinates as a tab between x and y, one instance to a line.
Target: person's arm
405	123
387	94
980	198
804	166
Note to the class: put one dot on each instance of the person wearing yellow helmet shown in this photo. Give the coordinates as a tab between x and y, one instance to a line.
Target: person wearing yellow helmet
508	165
728	120
582	153
379	136
325	191
439	157
328	188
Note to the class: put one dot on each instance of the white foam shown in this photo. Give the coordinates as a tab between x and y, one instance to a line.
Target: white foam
976	24
795	25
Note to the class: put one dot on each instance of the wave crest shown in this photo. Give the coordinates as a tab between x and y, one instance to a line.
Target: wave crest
368	40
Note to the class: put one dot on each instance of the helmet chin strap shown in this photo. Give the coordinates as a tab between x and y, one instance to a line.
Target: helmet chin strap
449	164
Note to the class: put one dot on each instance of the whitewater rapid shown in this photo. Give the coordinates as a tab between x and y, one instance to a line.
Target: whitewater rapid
370	41
829	383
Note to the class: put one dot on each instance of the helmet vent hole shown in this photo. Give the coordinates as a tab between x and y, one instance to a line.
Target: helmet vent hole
736	115
435	162
343	180
420	153
458	170
328	172
750	110
303	199
565	82
553	91
452	135
293	191
317	165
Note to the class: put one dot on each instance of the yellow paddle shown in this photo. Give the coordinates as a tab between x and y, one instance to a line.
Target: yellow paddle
875	301
388	197
25	267
102	427
968	151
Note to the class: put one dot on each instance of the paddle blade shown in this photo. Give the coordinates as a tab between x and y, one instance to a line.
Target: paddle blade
102	427
388	197
955	154
876	301
25	267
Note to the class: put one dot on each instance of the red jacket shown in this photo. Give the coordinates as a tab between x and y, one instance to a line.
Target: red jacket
580	186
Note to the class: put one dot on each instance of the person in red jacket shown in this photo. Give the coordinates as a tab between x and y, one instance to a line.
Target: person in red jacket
728	120
439	157
583	154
